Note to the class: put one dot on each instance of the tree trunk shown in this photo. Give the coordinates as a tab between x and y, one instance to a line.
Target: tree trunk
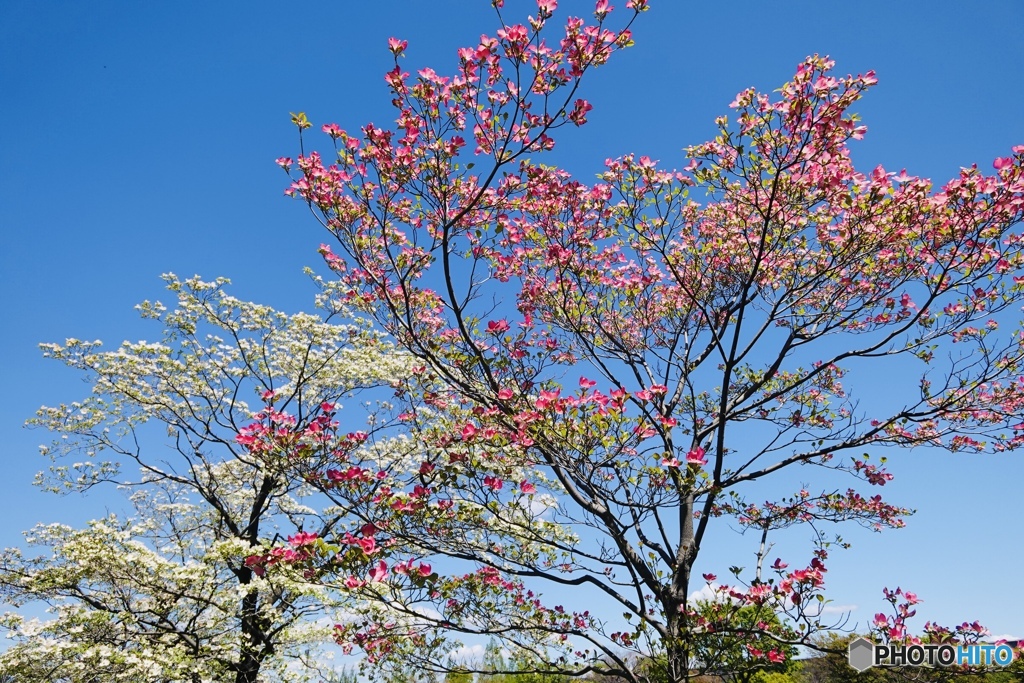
678	645
252	648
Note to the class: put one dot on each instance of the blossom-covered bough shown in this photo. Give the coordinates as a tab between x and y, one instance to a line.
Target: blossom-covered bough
617	363
165	593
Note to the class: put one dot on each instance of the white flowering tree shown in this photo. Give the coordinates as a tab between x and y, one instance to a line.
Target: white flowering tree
164	593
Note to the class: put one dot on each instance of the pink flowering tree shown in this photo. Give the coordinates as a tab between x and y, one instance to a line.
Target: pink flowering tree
606	370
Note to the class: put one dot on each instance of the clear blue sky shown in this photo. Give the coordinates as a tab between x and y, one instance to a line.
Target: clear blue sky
139	138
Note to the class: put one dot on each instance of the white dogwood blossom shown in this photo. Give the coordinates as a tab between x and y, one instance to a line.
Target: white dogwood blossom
164	593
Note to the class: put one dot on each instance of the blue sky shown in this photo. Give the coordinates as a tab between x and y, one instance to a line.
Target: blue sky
139	138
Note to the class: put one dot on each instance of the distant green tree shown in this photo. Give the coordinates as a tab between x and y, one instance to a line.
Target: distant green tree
737	639
346	675
458	677
774	677
519	667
